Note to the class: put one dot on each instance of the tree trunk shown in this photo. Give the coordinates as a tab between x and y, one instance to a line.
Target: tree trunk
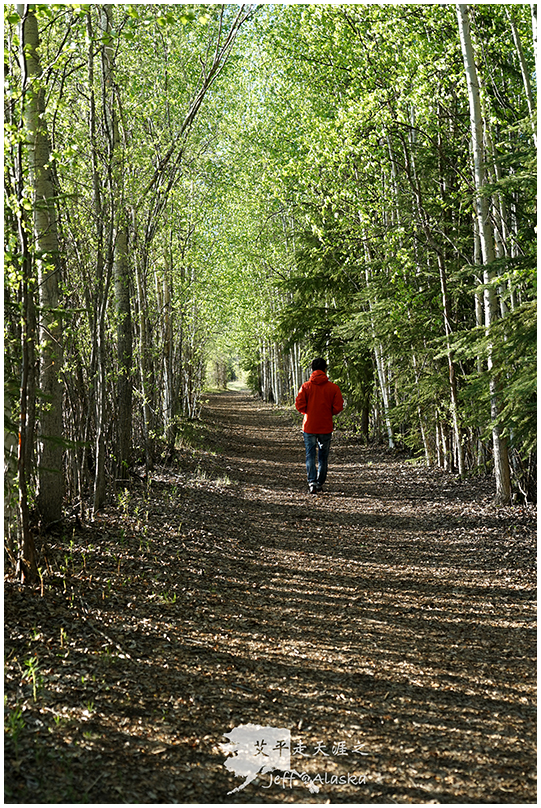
533	7
451	365
124	350
98	370
524	72
26	562
411	171
121	276
378	355
385	394
501	460
50	491
144	349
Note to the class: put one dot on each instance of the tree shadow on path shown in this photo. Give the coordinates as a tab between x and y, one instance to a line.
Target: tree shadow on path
387	625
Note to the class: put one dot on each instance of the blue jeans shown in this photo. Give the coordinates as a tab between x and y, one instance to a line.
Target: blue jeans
323	443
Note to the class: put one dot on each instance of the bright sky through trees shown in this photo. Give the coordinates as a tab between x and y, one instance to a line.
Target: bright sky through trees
254	184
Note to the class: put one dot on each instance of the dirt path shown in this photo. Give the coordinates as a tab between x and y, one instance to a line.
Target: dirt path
388	625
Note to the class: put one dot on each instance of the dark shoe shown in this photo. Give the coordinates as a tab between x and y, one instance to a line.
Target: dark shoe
312	488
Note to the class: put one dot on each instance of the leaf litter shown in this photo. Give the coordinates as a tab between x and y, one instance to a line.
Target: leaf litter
388	624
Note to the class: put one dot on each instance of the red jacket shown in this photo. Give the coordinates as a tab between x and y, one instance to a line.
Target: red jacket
319	399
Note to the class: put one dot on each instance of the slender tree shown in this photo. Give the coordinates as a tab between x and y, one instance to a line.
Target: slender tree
119	247
499	442
46	253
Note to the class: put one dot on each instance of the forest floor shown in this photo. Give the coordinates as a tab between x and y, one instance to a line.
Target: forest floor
385	628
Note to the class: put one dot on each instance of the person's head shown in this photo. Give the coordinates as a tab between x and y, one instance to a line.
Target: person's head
319	364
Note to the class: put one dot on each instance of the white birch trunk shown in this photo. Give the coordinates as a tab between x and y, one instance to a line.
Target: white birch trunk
50	453
501	460
524	71
378	354
533	7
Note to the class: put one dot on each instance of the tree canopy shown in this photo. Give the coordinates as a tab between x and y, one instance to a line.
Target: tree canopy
256	184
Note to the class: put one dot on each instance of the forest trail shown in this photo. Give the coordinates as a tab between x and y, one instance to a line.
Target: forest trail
388	624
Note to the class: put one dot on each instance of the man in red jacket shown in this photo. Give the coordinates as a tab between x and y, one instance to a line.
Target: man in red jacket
319	399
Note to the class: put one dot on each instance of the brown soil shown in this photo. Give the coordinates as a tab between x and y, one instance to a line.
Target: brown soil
387	624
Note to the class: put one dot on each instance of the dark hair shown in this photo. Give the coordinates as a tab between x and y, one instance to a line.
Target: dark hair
319	364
